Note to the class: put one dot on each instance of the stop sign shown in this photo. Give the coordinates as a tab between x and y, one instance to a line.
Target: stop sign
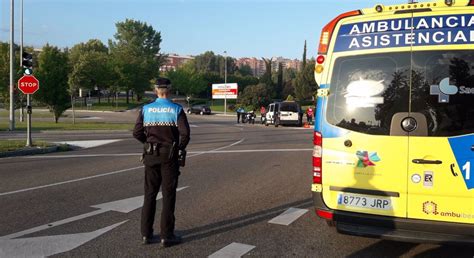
28	84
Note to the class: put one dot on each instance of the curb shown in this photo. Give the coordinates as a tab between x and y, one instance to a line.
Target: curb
29	151
83	131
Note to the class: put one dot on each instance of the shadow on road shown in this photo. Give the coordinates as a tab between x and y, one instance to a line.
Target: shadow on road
235	223
388	248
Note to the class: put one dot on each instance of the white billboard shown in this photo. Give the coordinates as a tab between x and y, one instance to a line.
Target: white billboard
225	91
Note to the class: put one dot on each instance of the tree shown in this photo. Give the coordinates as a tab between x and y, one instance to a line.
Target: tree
93	45
90	67
52	72
136	55
304	57
5	74
187	81
256	95
210	62
279	85
244	70
267	76
305	84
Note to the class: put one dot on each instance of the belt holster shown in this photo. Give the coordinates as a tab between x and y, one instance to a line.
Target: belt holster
151	149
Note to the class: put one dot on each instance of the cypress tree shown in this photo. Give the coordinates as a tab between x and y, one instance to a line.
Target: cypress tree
304	56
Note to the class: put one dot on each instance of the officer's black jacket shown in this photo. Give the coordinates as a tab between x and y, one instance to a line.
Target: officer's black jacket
163	133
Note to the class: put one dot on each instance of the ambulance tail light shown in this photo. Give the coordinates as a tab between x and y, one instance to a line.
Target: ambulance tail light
325	214
327	31
317	158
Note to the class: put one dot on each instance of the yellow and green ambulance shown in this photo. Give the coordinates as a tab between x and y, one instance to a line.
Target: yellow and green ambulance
394	129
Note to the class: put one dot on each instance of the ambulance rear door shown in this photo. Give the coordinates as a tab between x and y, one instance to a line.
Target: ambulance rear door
441	151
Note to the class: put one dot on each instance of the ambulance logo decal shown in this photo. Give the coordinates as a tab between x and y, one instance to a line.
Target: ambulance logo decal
367	159
461	147
430	208
443	90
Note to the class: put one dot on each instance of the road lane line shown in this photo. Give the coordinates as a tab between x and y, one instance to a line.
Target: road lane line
232	250
70	181
83	156
53	224
106	174
189	152
221	148
288	217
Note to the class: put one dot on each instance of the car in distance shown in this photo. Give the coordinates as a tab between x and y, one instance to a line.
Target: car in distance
200	109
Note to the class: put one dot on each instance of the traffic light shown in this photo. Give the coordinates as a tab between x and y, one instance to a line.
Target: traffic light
27	63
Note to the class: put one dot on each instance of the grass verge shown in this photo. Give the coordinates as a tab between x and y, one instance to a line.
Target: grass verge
12	145
45	126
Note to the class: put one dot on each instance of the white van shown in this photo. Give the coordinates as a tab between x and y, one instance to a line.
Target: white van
284	113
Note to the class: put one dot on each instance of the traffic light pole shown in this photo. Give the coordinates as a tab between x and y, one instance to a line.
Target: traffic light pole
21	56
28	121
12	68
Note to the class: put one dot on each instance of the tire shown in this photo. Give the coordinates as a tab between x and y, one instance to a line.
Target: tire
189	111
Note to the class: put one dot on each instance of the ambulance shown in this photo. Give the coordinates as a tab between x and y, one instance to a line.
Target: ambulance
393	154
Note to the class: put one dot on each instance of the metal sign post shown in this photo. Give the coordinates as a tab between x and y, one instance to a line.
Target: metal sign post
28	121
28	84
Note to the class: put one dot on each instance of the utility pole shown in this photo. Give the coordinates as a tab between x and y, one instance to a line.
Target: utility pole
12	67
225	82
21	54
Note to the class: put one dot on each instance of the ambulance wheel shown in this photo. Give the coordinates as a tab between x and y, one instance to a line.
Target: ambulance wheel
330	223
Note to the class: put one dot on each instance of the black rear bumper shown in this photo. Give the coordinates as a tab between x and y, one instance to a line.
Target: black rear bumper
391	228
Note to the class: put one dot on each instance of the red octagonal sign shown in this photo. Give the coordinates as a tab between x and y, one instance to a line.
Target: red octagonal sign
28	84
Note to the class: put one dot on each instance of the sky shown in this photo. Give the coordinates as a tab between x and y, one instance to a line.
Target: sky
242	28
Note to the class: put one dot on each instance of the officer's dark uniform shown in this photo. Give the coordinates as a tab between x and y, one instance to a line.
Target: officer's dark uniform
163	128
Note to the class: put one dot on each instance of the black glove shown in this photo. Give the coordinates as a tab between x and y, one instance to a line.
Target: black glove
182	157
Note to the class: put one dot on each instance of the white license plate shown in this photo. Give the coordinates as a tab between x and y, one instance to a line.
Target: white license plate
360	201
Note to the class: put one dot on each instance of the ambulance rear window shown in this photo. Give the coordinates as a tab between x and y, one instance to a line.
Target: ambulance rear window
367	90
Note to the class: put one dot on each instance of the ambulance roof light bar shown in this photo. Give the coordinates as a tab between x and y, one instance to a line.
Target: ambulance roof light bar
329	29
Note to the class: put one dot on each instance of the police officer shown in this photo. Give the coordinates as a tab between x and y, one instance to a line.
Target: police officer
163	128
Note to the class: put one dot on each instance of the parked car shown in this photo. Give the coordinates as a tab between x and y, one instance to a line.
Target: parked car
200	109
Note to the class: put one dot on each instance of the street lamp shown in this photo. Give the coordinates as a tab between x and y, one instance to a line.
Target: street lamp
225	82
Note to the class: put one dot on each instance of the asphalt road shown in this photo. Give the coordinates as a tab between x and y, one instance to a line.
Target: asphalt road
237	179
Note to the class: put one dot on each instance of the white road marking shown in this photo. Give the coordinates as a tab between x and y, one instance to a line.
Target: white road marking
227	146
91	118
189	152
49	245
232	250
89	144
288	217
105	174
129	204
70	181
123	206
191	125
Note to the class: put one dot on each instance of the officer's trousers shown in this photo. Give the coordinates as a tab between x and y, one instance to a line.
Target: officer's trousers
160	170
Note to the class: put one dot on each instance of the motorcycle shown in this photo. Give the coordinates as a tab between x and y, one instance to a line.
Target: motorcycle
248	117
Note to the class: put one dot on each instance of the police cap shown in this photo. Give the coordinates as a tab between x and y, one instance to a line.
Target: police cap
162	83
